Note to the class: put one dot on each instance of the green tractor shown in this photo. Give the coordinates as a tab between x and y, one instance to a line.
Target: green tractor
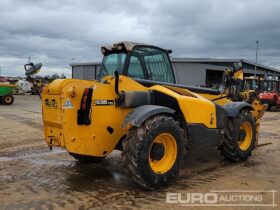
6	96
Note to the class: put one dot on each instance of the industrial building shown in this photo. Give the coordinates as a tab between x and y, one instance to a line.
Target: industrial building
190	71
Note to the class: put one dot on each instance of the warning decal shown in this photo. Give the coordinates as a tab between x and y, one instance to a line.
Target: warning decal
68	104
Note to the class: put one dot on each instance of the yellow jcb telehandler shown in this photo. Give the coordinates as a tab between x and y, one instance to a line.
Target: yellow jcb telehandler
137	108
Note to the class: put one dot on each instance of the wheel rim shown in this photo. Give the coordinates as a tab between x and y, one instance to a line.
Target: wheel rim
245	141
8	99
165	163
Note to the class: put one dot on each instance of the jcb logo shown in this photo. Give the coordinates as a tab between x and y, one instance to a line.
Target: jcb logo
51	103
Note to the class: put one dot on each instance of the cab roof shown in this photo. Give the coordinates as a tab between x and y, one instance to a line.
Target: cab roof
128	46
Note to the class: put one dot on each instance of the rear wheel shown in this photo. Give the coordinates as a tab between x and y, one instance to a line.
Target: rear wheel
86	158
7	99
153	153
240	137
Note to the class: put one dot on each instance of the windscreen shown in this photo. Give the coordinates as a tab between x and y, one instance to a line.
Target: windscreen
270	86
252	84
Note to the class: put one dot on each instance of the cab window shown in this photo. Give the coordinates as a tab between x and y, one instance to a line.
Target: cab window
154	64
158	68
135	69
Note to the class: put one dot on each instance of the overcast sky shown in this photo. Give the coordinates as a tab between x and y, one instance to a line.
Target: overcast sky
55	31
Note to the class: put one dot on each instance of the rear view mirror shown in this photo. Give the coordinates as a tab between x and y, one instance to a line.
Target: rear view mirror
168	51
31	69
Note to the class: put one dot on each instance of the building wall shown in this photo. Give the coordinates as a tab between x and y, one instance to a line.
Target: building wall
193	73
78	72
185	72
260	71
88	72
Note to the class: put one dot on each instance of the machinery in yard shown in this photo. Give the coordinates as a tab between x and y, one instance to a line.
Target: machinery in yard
137	108
23	86
269	94
37	86
6	91
267	90
253	83
235	88
31	69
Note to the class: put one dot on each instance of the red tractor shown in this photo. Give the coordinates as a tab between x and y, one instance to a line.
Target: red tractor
269	94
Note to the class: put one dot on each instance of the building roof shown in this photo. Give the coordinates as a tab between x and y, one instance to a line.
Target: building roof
85	64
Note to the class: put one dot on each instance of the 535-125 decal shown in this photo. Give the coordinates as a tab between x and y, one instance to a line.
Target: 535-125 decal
103	103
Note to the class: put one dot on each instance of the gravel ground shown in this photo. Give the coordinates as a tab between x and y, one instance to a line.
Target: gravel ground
33	177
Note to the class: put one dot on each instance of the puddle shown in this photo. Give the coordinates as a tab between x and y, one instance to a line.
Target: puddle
31	155
51	162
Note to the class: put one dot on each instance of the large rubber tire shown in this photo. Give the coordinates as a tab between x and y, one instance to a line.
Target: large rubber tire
86	158
138	147
7	99
240	137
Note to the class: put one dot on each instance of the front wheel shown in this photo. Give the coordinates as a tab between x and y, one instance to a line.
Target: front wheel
7	99
240	137
153	153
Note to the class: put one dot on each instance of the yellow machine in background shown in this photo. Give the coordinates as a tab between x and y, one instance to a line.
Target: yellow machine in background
238	88
137	108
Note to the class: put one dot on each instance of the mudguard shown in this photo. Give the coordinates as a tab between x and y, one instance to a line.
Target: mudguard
141	113
234	108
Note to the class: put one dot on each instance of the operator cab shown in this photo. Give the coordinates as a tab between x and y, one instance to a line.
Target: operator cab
252	83
137	61
270	85
149	65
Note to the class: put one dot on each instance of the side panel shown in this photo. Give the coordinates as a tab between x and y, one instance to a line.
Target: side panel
196	110
200	136
221	116
219	99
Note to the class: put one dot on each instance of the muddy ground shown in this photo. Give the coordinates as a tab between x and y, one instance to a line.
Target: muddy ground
32	177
